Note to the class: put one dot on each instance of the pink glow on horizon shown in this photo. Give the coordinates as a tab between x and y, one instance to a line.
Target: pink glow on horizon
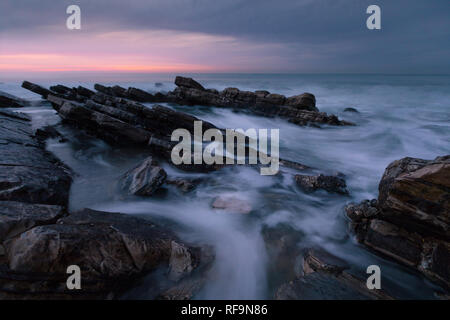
125	51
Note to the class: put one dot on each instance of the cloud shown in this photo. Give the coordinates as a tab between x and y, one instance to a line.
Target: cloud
248	35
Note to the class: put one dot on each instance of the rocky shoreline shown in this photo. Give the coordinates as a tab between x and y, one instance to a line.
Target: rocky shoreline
40	238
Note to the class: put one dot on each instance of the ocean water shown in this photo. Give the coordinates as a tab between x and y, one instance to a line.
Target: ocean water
399	116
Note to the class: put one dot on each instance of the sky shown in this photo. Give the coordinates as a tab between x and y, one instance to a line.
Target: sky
248	36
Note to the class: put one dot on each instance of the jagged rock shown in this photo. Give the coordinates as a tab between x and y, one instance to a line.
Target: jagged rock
36	89
27	172
111	249
144	179
188	83
232	204
334	184
416	192
410	220
9	101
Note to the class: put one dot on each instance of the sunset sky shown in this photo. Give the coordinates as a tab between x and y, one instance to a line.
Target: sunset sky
224	36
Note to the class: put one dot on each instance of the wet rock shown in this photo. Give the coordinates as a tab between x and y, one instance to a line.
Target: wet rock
232	204
188	83
9	101
335	184
144	179
410	220
351	110
28	173
112	250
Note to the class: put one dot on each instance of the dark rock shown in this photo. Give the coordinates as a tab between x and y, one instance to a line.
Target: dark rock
318	286
188	83
326	276
304	101
416	192
351	110
36	89
140	95
334	184
27	172
59	88
9	101
144	179
184	184
47	132
18	217
112	250
410	220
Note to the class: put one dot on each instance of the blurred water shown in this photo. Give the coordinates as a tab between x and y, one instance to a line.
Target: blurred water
398	116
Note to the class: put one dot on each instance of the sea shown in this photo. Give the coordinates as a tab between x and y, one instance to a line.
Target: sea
398	116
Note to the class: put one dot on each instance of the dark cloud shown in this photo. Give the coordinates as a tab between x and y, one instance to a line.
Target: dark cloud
414	35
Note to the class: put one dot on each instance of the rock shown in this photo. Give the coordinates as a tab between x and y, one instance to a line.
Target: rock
410	220
185	185
188	83
274	98
325	277
59	88
181	262
416	192
28	173
85	92
36	89
9	101
351	110
335	184
112	250
18	217
317	259
140	95
304	101
317	286
103	125
47	132
144	179
232	204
